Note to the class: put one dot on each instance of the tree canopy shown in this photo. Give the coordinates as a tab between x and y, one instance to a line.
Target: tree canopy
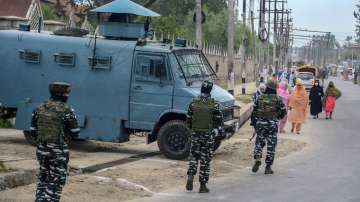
177	20
357	25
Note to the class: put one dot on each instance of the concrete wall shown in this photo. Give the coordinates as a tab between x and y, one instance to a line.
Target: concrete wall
50	25
222	69
11	23
14	22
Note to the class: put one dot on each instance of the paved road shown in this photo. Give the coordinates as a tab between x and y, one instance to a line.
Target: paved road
327	171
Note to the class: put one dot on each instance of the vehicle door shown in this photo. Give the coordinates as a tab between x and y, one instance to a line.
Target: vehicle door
151	89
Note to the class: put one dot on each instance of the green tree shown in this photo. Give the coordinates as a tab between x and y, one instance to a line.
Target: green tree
357	25
50	13
177	20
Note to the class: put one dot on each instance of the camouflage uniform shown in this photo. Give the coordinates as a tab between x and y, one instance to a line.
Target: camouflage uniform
51	123
267	110
203	136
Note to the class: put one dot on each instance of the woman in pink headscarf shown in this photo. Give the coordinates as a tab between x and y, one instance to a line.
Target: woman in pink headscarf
283	92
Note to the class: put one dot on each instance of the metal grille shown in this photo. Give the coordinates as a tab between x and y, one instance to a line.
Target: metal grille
31	56
65	59
228	114
100	62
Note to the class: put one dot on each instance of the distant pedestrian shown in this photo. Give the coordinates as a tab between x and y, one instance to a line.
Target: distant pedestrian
322	76
203	118
50	123
284	75
283	92
274	77
292	80
331	95
356	74
265	74
271	70
268	109
259	92
298	103
316	96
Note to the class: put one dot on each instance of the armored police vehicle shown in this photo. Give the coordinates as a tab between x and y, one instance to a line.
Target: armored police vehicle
122	83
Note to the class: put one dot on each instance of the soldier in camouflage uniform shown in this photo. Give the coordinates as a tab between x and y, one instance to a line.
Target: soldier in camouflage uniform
52	122
204	119
268	109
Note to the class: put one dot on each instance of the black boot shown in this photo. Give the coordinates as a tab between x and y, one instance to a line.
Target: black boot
203	188
189	183
268	170
256	166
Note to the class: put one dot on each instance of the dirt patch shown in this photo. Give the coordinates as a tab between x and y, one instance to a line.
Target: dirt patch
145	177
244	99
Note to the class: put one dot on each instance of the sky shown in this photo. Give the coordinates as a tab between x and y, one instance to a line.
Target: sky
335	16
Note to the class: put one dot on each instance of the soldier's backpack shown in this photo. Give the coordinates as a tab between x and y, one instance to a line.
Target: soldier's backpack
50	122
202	119
267	107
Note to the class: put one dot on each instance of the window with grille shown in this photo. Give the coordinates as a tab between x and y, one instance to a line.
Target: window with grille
100	62
31	56
65	59
150	68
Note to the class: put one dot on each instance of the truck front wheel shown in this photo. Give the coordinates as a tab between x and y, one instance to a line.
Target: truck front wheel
174	139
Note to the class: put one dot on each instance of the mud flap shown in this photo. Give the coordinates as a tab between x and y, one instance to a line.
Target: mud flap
150	138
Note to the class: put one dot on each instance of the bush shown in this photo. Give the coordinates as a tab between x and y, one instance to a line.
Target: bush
5	123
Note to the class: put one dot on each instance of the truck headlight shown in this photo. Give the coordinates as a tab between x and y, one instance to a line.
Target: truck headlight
236	111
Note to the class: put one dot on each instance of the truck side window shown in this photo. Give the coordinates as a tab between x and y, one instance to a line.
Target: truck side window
150	68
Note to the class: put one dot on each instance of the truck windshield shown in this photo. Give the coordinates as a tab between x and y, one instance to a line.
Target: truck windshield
305	76
193	64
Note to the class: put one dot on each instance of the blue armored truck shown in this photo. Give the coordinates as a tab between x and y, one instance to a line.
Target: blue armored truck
122	83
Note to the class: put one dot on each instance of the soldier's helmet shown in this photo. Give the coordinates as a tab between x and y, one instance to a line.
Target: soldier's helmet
59	88
272	84
206	87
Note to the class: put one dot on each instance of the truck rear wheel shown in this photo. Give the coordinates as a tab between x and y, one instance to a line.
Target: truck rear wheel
29	138
174	139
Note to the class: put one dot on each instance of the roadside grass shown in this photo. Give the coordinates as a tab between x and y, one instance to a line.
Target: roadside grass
4	123
246	99
4	169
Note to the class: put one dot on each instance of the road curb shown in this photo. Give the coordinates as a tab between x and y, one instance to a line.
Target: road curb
246	114
17	178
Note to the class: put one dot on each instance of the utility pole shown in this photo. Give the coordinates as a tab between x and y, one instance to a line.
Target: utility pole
288	41
281	38
327	47
275	34
261	30
243	48
269	30
230	44
198	34
256	57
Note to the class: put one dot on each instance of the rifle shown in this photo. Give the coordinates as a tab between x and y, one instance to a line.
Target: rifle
252	137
